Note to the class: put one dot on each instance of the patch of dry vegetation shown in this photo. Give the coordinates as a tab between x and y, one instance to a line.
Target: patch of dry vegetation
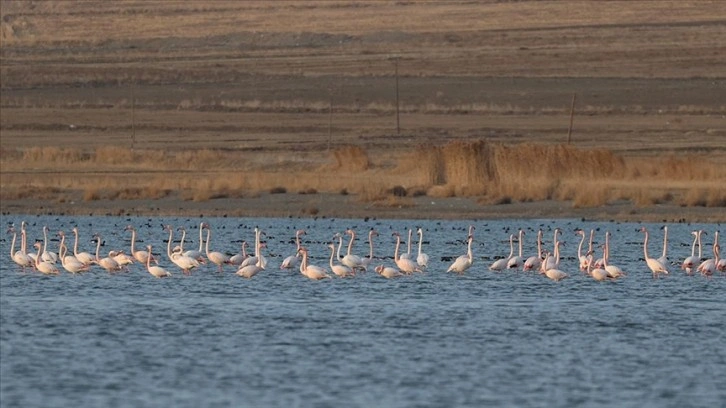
490	172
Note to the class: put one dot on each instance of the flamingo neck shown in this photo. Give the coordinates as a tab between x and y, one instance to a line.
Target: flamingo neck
340	245
521	233
350	244
133	240
511	245
645	245
209	232
200	237
420	240
539	244
168	245
395	252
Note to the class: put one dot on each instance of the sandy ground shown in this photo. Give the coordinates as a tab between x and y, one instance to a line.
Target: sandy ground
340	206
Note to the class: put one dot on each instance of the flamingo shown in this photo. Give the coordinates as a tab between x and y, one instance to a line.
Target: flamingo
19	257
598	273
708	267
108	263
584	261
155	271
216	258
421	259
258	256
406	266
250	270
612	270
367	261
291	261
311	271
70	263
591	251
535	262
388	272
193	253
516	262
240	257
553	263
63	249
655	265
664	258
554	273
44	267
121	258
84	257
464	262
690	262
351	260
185	263
500	264
721	264
47	256
141	256
339	269
407	255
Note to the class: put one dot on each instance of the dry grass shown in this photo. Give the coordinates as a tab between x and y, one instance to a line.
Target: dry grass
492	172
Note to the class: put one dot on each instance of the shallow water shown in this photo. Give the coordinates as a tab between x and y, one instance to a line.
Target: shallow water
432	339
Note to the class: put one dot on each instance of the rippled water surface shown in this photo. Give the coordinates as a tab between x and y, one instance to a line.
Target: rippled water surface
432	339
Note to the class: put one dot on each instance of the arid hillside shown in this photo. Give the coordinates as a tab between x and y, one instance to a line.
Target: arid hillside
203	100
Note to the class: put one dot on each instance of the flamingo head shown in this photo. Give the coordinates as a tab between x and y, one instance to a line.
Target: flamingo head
129	228
379	269
373	233
300	232
642	229
148	249
205	225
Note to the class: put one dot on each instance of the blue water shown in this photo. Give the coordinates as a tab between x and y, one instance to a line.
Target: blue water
432	339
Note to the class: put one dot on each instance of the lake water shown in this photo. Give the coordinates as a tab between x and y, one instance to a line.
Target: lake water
431	339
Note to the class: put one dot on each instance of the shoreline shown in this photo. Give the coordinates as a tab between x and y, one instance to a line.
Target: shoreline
322	205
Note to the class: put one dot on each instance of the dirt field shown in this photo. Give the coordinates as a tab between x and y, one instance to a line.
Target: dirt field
282	85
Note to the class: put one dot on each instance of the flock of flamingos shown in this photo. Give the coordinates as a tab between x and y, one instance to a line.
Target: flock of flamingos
544	262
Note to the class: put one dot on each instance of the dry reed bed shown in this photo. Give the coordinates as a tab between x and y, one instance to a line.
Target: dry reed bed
492	172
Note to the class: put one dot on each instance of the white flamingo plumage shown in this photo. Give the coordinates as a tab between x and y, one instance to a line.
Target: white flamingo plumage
351	260
69	262
249	271
553	262
421	259
500	264
664	258
84	257
367	260
533	263
406	266
44	267
388	272
407	255
692	261
155	271
19	257
185	263
237	259
338	269
463	262
554	273
253	260
517	262
291	261
197	254
708	267
141	256
612	270
653	264
47	256
597	273
311	271
584	260
216	258
108	263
